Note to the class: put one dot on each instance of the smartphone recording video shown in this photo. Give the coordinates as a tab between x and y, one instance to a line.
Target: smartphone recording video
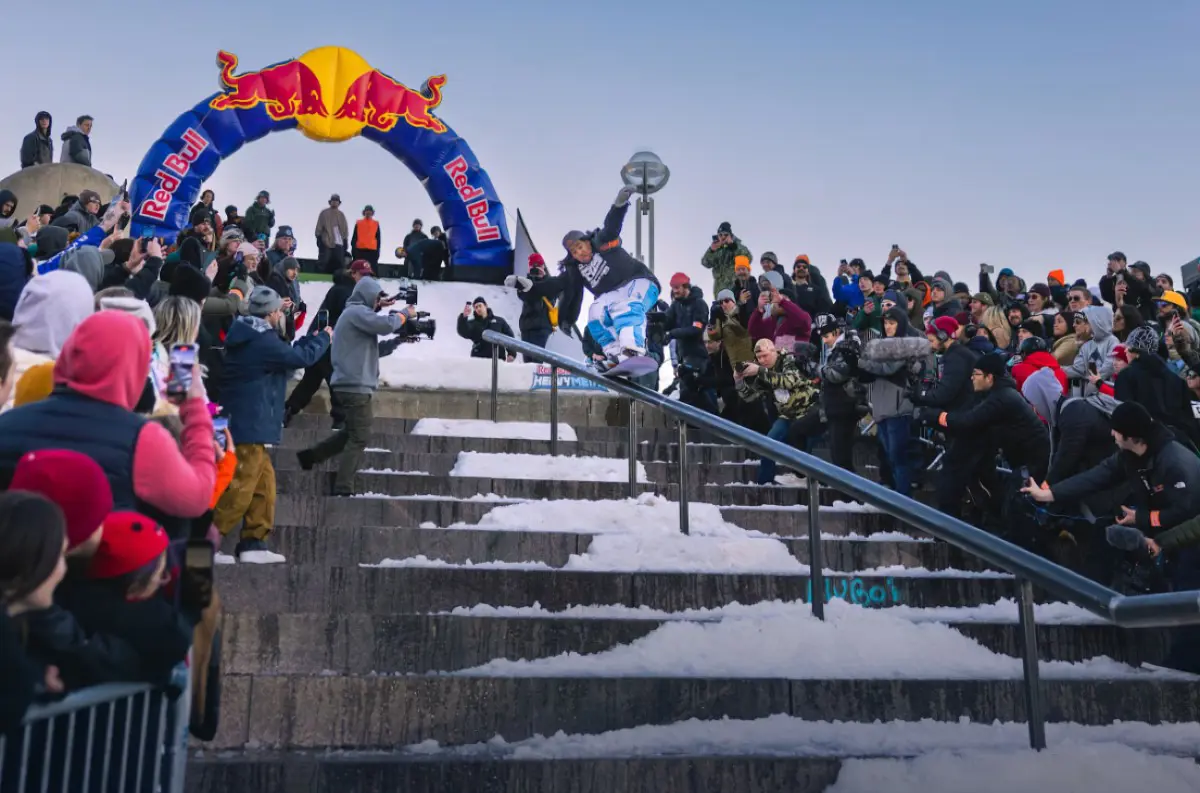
322	320
220	424
182	361
196	579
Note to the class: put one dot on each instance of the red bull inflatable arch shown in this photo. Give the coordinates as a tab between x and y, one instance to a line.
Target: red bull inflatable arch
330	94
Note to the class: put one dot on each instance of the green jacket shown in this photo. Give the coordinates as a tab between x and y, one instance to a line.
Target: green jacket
873	321
259	220
734	337
1183	535
720	262
793	393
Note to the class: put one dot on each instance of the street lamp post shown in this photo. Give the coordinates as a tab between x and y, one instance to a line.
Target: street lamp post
648	174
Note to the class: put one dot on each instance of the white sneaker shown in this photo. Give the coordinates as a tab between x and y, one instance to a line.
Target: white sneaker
223	558
261	557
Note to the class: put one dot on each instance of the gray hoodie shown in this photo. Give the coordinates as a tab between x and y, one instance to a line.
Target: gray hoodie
1098	349
89	261
356	345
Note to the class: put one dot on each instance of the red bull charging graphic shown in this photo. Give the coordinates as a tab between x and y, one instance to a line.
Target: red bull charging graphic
330	94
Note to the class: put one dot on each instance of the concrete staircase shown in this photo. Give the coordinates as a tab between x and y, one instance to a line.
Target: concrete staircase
332	668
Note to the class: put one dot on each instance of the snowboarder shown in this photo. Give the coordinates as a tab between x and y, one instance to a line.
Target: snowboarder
624	288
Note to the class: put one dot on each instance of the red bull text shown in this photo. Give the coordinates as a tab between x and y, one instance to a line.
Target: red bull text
473	197
168	177
379	102
287	89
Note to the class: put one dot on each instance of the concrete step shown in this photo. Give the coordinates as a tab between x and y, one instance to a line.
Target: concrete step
378	712
416	590
650	428
295	439
342	547
364	644
254	772
294	509
417	483
578	410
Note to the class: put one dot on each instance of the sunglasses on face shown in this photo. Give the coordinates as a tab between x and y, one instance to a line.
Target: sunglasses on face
887	304
1076	299
726	300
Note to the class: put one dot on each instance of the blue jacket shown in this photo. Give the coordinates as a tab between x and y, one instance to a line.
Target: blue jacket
13	276
254	379
847	291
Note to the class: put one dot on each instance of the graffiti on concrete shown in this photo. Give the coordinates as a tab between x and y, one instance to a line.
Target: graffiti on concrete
875	593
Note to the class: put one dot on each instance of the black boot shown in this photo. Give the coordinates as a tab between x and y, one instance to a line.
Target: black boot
307	461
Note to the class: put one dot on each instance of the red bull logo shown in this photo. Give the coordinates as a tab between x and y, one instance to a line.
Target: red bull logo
169	177
474	198
379	102
296	90
288	89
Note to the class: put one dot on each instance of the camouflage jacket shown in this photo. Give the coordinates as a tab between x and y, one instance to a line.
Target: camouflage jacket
720	262
794	393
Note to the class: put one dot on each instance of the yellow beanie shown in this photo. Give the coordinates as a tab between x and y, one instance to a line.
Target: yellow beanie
35	385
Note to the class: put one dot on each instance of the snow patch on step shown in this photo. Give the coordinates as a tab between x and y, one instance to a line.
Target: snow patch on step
480	428
545	467
851	643
1003	611
952	756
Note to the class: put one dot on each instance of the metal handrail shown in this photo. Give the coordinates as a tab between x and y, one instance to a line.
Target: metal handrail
1128	611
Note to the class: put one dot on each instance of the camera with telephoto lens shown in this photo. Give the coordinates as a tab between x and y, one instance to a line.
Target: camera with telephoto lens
417	324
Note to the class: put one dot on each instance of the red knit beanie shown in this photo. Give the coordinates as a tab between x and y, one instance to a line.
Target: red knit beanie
130	540
947	325
536	259
73	481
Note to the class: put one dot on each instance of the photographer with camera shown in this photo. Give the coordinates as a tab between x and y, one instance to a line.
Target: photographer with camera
284	279
952	390
999	421
1166	480
776	376
328	315
686	320
887	367
258	365
356	353
538	292
474	320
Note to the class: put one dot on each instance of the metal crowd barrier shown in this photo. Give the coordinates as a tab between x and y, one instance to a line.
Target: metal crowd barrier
114	738
1128	611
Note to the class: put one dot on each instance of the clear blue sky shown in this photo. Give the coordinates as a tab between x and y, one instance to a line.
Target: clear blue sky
1027	134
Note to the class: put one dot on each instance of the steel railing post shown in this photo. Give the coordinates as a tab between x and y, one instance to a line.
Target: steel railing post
683	462
1035	709
553	410
816	564
633	448
495	379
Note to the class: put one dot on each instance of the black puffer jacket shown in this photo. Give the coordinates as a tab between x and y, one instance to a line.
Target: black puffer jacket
1166	482
1082	439
686	320
1165	395
1004	418
472	328
535	314
953	390
839	398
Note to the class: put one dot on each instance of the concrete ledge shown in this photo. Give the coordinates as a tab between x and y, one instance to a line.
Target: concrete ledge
326	712
363	644
389	773
355	590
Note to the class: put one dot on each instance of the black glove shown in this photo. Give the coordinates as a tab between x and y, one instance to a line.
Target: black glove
715	314
302	308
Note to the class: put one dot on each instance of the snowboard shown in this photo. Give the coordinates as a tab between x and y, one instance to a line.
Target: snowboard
633	367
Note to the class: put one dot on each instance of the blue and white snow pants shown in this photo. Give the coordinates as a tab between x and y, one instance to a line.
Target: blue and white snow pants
617	319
